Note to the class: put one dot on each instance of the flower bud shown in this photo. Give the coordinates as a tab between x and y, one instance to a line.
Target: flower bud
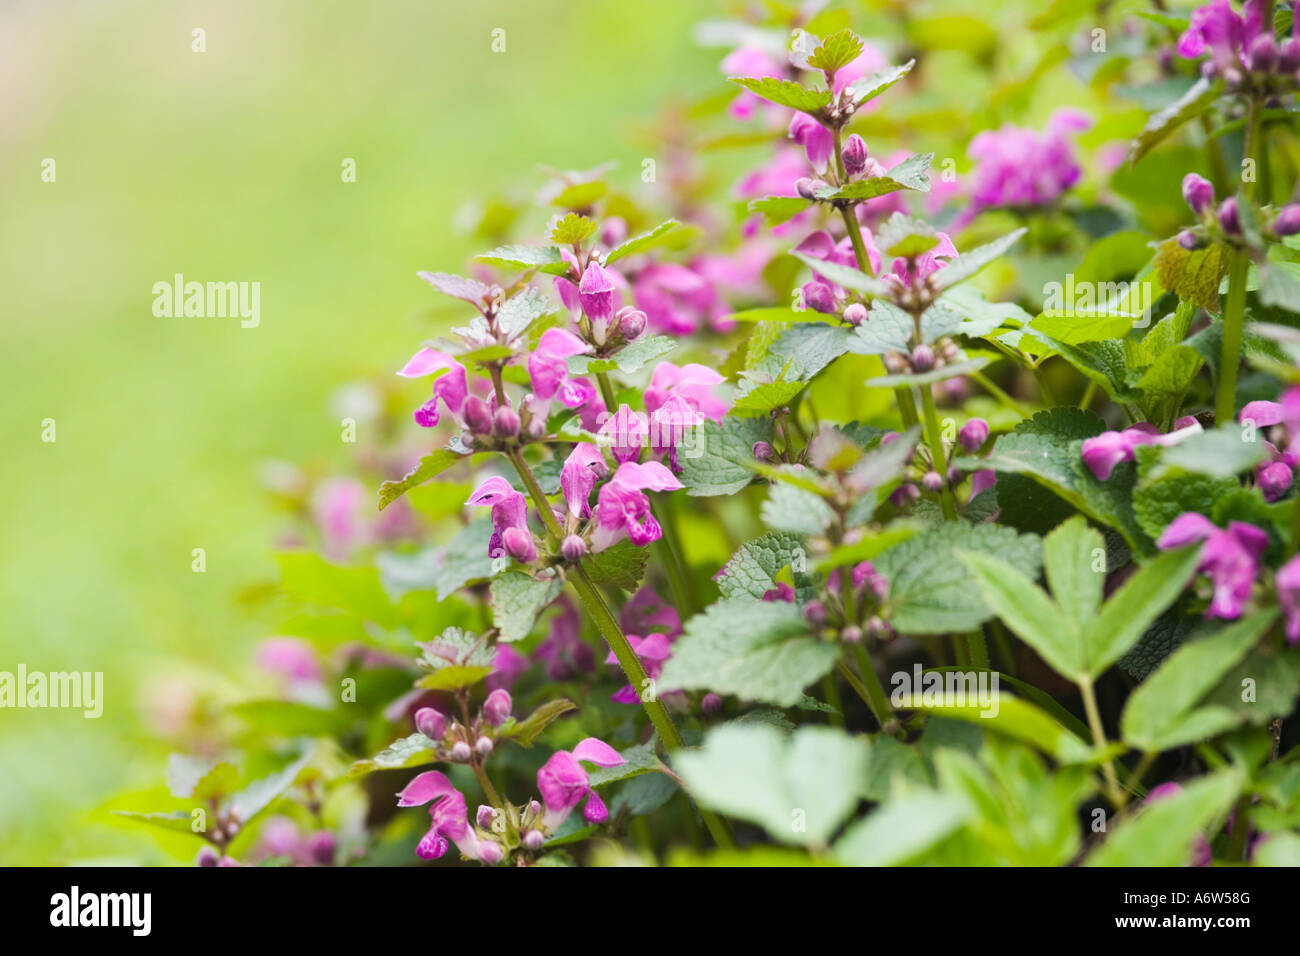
878	629
1198	192
484	746
484	816
497	707
505	423
973	434
763	451
431	723
573	548
855	313
614	231
207	857
819	297
922	358
1228	218
533	840
855	156
491	852
477	415
933	481
460	752
631	323
596	293
1189	240
1262	55
1287	222
321	847
1274	479
851	634
711	704
904	495
519	545
814	612
1289	55
955	475
804	187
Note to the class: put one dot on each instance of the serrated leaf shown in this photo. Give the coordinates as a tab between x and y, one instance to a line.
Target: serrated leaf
845	276
465	558
1165	831
526	258
930	590
458	287
753	568
631	358
1198	98
177	821
912	173
724	455
1155	715
1193	275
430	466
756	650
261	793
868	89
572	228
837	50
646	240
1070	558
757	773
621	566
517	599
968	264
453	677
530	728
779	209
785	93
796	510
413	751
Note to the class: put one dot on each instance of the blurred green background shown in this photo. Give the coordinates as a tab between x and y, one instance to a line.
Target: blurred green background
226	165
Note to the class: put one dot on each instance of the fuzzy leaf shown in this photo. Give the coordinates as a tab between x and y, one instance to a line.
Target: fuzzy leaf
517	599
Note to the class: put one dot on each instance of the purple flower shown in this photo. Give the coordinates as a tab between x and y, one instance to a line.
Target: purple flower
549	370
816	140
627	432
1104	452
691	382
507	665
677	299
1288	595
563	783
449	816
1274	479
509	511
452	386
982	480
646	611
973	435
651	650
563	650
866	575
582	469
1217	28
1229	556
855	156
596	294
1016	166
496	709
623	508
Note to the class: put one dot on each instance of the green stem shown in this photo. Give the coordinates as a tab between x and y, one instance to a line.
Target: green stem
1049	399
979	650
607	392
831	690
669	549
493	797
1088	394
1240	829
610	629
877	699
996	391
934	438
1113	791
1234	311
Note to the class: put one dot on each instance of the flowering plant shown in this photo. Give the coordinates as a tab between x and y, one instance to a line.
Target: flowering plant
797	527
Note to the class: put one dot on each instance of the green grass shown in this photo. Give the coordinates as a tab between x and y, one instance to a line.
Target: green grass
225	165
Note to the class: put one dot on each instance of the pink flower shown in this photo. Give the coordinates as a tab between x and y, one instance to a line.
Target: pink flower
623	508
651	650
596	295
452	386
816	140
509	512
448	815
646	611
1229	556
507	665
582	469
1016	166
337	507
563	783
753	62
563	650
289	657
549	370
1104	452
693	383
1227	35
1288	595
627	432
676	299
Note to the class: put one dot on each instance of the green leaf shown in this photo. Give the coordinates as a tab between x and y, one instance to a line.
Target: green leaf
526	258
868	89
465	558
1155	717
1198	98
621	566
930	590
530	728
1070	559
631	358
837	50
796	510
1010	716
287	718
1025	608
357	590
517	599
413	751
1194	275
940	374
572	228
721	465
756	650
178	821
1159	499
912	173
185	771
760	398
1164	832
637	244
800	788
261	793
779	209
903	829
845	276
430	466
969	263
453	677
753	568
785	93
1220	453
